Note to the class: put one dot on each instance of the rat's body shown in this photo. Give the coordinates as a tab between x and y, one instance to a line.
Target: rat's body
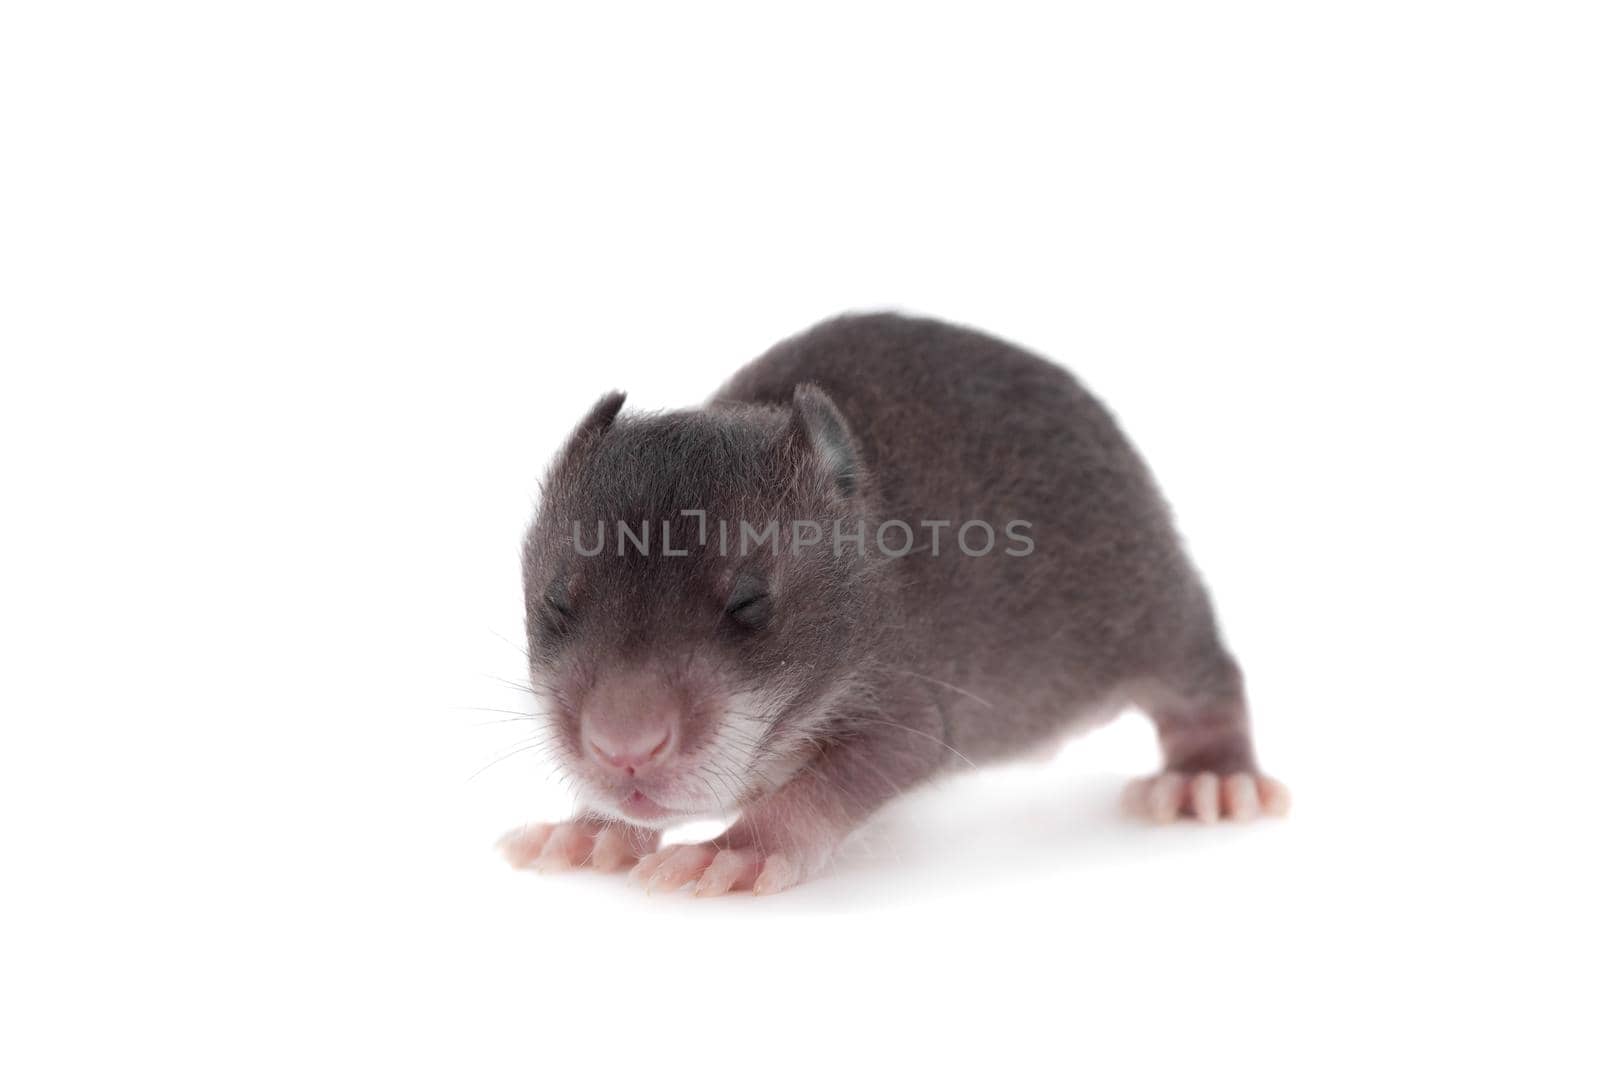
863	677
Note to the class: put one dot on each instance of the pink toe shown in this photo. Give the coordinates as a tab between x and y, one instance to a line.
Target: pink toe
1239	797
1274	796
1136	797
646	867
1205	797
566	847
684	865
1166	797
552	858
777	874
730	869
611	851
522	846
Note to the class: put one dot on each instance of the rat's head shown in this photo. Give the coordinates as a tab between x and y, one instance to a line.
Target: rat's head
693	622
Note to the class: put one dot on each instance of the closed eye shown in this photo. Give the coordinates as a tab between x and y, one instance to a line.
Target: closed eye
558	614
751	604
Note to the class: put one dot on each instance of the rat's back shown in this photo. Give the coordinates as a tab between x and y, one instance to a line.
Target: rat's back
1085	587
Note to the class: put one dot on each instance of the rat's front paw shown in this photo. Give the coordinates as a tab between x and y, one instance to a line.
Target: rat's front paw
584	841
716	869
1206	796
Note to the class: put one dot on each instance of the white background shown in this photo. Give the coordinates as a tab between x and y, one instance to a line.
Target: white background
298	299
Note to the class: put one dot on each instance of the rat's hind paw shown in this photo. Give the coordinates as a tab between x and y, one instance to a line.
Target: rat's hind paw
716	870
605	846
1206	796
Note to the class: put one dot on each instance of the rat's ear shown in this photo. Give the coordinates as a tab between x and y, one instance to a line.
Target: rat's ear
597	422
824	431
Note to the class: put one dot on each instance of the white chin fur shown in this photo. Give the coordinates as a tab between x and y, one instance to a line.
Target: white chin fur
735	749
732	764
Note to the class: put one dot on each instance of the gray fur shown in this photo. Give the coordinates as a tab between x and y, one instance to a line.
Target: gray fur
880	672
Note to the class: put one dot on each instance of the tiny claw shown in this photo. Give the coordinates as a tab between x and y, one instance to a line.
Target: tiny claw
777	874
684	864
642	870
727	869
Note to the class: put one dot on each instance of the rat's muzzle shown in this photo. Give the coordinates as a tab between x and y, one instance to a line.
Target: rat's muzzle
629	726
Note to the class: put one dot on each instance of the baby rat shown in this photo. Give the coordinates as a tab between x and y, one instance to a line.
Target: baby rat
888	548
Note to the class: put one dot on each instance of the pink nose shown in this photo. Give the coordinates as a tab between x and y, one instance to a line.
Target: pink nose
628	744
629	721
